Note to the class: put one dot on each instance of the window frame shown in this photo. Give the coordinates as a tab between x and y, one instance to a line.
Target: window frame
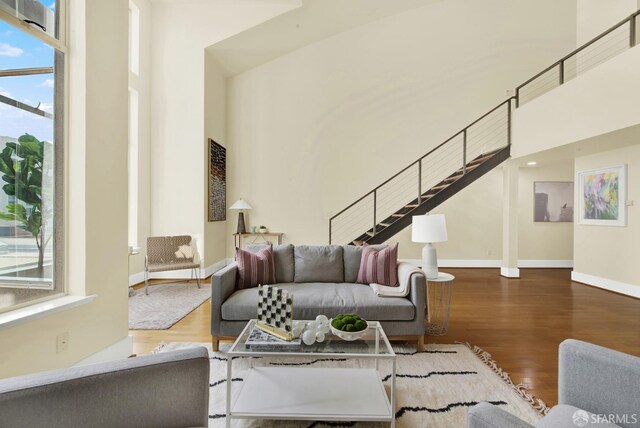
58	286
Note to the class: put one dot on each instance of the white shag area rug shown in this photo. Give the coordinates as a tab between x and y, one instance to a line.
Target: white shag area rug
165	305
435	388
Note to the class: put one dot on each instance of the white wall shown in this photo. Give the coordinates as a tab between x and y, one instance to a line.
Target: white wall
96	197
180	33
136	262
311	131
543	240
607	257
596	16
215	124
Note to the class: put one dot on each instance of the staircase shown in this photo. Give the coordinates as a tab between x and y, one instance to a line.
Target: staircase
471	153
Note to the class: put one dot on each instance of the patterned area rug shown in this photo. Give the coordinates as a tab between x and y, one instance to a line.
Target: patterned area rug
165	305
435	388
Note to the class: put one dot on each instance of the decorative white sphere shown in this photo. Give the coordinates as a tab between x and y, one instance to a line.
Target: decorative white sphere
313	325
322	319
297	331
325	328
309	337
320	337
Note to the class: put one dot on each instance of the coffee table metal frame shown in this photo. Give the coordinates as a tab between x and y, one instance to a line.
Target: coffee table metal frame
361	387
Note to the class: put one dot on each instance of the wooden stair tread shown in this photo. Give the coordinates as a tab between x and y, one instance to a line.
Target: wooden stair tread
482	158
441	186
454	177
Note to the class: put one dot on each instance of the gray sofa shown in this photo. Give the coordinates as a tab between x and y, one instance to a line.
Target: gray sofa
163	390
600	381
323	281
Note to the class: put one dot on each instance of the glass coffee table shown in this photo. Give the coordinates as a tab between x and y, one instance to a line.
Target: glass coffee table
305	392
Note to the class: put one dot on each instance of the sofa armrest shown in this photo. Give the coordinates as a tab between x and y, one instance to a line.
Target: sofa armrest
597	379
485	415
418	295
168	389
223	284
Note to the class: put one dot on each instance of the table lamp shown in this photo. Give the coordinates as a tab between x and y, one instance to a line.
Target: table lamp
240	205
429	228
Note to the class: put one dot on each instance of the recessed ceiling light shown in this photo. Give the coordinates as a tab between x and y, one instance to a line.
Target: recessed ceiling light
532	163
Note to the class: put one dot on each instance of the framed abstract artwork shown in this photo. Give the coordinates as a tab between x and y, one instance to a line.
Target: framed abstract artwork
217	182
602	196
553	201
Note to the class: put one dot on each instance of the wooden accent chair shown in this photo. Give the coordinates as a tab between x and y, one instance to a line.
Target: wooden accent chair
168	253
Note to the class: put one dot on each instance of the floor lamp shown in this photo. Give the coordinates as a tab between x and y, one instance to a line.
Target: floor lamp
240	205
428	229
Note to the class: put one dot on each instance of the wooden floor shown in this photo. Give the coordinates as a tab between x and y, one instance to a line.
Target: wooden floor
520	322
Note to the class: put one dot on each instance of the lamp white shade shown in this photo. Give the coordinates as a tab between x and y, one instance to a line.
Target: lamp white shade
240	205
429	228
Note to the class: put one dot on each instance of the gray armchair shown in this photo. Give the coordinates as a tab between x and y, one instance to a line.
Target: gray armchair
596	387
164	390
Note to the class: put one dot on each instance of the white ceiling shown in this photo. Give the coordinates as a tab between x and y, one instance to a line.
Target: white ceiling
601	143
314	20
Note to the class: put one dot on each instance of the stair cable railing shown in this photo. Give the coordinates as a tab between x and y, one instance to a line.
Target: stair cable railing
425	178
412	185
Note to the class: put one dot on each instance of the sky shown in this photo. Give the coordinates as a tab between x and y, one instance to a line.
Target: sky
19	50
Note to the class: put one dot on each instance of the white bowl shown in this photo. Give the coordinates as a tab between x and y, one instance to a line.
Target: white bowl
348	335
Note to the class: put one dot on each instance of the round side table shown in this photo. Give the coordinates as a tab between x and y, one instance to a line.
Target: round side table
438	304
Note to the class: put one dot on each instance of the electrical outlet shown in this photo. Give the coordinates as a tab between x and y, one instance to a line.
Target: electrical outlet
62	342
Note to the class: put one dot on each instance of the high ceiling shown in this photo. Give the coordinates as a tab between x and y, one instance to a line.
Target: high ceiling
314	20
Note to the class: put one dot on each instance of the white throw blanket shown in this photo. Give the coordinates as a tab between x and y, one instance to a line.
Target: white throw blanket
405	272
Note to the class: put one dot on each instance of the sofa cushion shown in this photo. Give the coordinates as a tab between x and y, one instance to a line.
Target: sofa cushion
352	255
379	266
255	269
321	263
564	415
330	299
282	258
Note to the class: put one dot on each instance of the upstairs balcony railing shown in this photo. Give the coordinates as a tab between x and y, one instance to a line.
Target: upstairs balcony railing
615	40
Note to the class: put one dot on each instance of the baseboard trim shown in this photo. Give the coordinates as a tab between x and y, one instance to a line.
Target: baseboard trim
138	278
607	284
117	351
451	263
510	272
567	264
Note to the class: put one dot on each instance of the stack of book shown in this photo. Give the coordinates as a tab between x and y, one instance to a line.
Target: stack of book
259	340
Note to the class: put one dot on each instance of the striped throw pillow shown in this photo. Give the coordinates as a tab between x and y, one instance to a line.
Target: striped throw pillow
379	266
255	268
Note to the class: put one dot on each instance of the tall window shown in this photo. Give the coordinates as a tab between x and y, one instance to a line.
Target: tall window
134	118
32	59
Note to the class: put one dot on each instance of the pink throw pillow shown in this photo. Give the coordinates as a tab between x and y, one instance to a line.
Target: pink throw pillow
379	266
255	269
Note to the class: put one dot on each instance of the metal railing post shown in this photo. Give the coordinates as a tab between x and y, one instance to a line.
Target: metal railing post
561	72
375	203
464	151
517	97
330	220
419	181
509	122
632	31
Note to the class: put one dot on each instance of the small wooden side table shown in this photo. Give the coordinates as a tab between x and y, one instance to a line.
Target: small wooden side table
239	237
439	292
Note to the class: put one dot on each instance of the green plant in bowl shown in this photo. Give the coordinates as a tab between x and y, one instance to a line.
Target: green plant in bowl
347	326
